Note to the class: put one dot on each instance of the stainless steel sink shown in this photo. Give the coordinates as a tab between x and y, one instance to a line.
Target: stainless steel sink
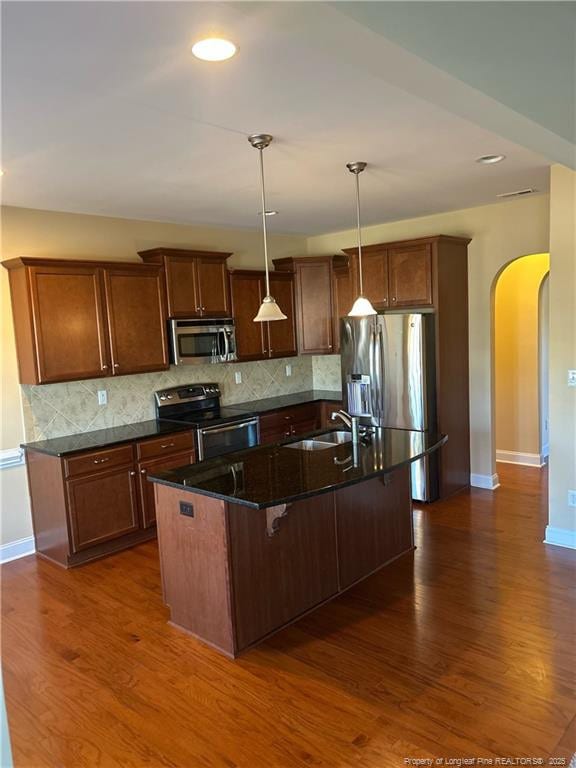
322	442
309	445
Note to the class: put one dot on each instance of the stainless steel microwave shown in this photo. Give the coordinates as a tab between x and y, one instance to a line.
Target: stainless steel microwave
203	341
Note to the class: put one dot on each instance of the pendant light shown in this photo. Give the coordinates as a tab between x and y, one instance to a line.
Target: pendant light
362	305
269	310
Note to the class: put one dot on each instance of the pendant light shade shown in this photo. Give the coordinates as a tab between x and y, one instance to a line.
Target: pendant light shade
269	310
362	306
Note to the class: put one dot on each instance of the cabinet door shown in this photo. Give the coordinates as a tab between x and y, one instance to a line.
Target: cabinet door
137	320
374	524
67	304
314	286
146	488
102	506
282	333
344	292
212	287
375	277
280	567
410	276
247	292
181	287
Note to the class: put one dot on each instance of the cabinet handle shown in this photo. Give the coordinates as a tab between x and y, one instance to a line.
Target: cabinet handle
101	461
385	300
132	473
142	471
393	299
203	309
104	367
116	365
329	346
167	445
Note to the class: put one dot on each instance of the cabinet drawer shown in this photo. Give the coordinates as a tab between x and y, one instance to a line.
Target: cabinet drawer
174	443
86	463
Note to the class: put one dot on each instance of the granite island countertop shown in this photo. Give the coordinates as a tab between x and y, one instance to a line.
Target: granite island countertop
270	475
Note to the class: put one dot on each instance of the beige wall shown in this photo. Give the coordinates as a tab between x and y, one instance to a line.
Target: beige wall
516	355
499	233
46	233
562	349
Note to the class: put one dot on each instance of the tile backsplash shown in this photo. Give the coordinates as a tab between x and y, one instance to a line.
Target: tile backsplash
52	410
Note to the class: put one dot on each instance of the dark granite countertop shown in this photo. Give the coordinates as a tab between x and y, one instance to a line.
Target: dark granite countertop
102	438
277	474
285	401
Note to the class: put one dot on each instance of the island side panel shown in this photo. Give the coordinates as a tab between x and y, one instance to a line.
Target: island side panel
374	524
283	563
194	565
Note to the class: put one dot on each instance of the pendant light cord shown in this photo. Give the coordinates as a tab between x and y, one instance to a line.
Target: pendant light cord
261	150
359	232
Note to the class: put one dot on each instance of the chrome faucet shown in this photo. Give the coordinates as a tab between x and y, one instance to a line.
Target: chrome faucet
352	422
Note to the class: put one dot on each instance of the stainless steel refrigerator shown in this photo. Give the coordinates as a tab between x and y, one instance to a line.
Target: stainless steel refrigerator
388	379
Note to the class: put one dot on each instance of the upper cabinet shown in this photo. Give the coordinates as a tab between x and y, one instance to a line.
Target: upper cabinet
313	296
403	274
196	281
259	341
410	275
136	319
83	320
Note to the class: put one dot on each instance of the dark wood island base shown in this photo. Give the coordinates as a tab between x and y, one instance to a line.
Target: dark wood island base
232	575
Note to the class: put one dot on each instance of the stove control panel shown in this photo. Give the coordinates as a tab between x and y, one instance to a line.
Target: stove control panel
187	393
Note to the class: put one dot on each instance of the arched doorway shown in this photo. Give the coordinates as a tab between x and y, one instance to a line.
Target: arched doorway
520	343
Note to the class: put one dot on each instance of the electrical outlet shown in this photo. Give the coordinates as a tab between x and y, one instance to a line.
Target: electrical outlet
238	377
288	370
102	397
572	378
571	498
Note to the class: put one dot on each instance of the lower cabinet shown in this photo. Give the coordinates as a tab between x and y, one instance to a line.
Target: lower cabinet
289	422
102	506
91	503
147	503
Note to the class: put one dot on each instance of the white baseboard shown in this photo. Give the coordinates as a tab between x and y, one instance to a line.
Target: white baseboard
525	459
560	537
488	482
15	549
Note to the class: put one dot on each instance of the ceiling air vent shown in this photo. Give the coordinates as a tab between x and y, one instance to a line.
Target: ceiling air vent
517	193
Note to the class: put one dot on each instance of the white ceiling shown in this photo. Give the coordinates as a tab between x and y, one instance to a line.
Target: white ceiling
105	111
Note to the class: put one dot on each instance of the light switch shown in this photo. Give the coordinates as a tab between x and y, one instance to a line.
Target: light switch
288	370
102	397
572	498
572	378
238	377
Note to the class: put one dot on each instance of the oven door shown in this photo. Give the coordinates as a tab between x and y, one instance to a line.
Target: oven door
195	342
226	438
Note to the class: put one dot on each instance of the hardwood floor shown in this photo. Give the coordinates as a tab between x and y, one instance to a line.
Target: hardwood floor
465	649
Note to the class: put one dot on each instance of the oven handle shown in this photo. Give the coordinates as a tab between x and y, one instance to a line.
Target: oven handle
228	427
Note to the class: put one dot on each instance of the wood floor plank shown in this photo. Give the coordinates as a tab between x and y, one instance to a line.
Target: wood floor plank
464	648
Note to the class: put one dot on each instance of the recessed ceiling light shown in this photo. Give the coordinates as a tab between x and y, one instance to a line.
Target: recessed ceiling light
214	49
268	213
490	159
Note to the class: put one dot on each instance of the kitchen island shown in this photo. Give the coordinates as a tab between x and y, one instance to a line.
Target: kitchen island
251	541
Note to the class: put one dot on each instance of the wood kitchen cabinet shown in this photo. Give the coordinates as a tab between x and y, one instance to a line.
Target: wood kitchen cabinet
136	319
289	422
196	281
82	319
260	341
313	294
410	275
344	291
91	503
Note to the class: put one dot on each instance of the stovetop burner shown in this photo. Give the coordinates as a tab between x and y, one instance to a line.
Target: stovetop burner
195	404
